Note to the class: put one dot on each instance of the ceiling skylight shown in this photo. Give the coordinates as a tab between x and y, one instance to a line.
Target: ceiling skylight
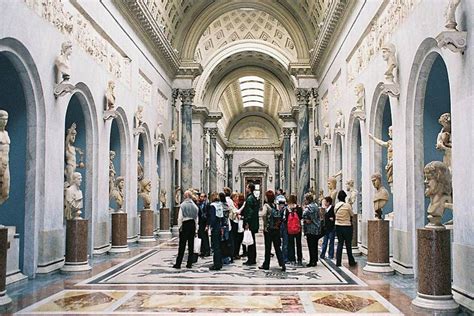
251	88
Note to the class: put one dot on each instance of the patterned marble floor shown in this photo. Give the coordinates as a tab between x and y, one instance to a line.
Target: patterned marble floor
144	283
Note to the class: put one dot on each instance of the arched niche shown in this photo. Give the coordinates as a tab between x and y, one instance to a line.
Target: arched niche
325	167
25	104
145	148
81	111
338	159
355	160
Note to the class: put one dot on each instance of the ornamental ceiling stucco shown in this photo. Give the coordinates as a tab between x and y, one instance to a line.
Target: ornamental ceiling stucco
243	24
253	131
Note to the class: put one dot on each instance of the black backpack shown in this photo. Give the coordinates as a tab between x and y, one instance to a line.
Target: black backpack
275	218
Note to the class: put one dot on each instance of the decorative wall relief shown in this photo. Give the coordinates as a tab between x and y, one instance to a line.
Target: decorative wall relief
390	16
109	112
89	37
144	89
138	121
340	123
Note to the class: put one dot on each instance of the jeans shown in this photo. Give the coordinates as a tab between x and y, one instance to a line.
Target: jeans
313	248
344	235
252	251
272	237
186	235
291	247
284	238
216	248
329	236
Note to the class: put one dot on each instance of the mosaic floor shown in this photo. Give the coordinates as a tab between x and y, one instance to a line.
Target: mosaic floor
144	283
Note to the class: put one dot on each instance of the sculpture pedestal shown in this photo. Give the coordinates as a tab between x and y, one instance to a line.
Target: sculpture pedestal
434	270
76	246
355	233
146	227
4	298
165	232
174	229
378	260
119	233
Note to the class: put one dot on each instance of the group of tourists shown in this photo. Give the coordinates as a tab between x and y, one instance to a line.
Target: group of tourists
232	221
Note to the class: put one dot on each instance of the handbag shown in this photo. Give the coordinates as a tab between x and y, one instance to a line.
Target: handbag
248	239
240	224
197	245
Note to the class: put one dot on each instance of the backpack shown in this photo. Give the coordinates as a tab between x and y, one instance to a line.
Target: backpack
294	224
275	218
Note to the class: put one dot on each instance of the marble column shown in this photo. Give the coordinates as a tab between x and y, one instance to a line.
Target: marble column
302	96
277	171
286	159
187	96
229	158
213	160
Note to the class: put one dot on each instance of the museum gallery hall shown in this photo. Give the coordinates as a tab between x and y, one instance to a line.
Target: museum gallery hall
286	157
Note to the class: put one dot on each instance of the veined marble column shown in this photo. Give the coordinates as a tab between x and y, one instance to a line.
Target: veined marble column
187	96
212	160
286	159
230	159
302	96
277	171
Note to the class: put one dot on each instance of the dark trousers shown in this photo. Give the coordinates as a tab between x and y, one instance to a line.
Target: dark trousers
272	237
216	248
328	238
203	234
252	251
284	239
344	235
238	243
291	247
313	248
186	235
235	236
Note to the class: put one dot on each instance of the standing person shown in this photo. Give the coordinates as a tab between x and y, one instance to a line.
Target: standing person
295	214
272	220
330	231
234	220
187	224
226	238
241	206
251	222
282	207
216	214
344	214
312	228
203	231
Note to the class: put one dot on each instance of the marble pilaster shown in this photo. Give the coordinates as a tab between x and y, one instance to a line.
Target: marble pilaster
286	159
212	160
229	159
302	96
187	96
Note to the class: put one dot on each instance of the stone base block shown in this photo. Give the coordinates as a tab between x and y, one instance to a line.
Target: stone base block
49	267
16	277
165	234
119	230
76	242
5	300
442	303
378	241
165	219
76	267
175	215
101	250
146	227
119	249
382	268
174	231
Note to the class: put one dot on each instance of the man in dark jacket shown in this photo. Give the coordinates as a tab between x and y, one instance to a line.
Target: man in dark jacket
330	231
251	221
203	231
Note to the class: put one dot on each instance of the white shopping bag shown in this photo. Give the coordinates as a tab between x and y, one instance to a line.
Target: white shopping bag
197	245
248	239
240	226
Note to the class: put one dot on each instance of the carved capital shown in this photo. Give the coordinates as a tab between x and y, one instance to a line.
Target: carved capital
187	96
453	40
213	131
287	132
303	95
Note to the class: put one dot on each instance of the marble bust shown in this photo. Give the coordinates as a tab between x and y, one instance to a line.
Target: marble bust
70	154
340	124
118	193
63	64
163	197
438	188
4	158
388	55
387	144
110	96
381	195
73	200
145	193
443	142
332	182
352	193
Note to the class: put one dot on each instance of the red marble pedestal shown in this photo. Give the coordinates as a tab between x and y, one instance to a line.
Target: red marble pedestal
434	270
378	259
174	229
4	298
76	246
165	232
146	226
119	233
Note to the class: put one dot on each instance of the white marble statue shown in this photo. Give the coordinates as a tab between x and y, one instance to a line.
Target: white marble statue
140	170
388	55
340	123
62	63
381	195
139	117
443	142
118	193
327	131
450	14
332	183
145	193
177	196
4	158
159	136
70	154
112	172
387	144
73	199
351	192
172	140
438	187
110	96
360	97
163	197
